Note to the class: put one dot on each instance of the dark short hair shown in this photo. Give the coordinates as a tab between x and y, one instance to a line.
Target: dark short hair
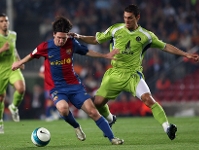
62	24
132	9
3	15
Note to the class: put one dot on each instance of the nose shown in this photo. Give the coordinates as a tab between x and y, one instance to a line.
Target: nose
61	40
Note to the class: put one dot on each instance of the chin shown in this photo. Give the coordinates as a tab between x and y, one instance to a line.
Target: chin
128	27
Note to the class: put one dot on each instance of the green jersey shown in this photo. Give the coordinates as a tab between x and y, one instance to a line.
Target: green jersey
132	45
9	56
6	60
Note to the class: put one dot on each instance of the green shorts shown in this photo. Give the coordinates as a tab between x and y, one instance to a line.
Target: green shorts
118	80
9	78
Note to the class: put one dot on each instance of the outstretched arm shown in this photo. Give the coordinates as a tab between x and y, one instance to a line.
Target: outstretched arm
18	58
86	39
107	56
174	50
17	64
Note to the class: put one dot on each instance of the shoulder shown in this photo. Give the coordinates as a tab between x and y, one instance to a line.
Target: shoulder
45	45
72	39
144	29
46	42
148	33
117	26
12	33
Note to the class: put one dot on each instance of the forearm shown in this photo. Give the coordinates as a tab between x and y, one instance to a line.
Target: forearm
25	59
92	53
88	39
174	50
16	65
2	50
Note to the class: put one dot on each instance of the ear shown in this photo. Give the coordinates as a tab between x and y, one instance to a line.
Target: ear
138	17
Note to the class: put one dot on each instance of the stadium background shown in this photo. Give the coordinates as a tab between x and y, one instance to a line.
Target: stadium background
175	22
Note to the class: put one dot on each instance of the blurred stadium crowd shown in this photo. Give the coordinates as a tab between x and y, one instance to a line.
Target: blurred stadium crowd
173	21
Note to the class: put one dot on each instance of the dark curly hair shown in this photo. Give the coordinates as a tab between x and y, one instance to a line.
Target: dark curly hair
3	15
132	9
62	24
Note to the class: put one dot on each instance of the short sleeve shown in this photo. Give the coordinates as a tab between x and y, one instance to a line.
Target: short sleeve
40	50
156	43
102	37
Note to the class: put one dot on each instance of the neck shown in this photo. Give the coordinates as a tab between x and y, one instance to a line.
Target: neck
134	28
5	33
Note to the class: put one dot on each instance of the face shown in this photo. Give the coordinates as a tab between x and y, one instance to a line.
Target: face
60	38
4	24
130	20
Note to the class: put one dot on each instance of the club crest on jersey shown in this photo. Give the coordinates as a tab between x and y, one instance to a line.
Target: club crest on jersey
138	39
68	51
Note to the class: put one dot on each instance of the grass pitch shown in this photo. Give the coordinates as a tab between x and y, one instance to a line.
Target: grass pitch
138	133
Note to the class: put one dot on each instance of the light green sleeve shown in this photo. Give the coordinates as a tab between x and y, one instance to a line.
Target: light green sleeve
156	43
104	36
108	34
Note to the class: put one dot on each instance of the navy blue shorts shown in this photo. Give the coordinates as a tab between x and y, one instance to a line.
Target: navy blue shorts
76	94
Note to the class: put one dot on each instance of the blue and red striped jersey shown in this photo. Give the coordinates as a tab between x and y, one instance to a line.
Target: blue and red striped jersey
58	63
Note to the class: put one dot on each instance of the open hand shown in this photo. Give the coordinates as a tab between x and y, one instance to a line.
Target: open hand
112	54
22	67
195	57
16	65
75	35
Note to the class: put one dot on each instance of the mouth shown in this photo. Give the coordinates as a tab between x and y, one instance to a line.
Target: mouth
127	23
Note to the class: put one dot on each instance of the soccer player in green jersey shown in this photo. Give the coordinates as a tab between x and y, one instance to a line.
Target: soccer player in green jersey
8	55
126	75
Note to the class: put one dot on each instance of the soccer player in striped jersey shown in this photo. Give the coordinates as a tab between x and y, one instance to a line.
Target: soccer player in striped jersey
132	40
8	55
62	81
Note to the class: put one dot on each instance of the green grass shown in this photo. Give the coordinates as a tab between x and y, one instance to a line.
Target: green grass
138	133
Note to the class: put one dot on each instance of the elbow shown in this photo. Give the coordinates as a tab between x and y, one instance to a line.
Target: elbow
167	47
94	41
